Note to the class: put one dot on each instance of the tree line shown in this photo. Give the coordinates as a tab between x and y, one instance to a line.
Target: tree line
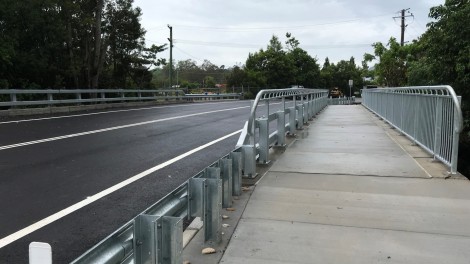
74	44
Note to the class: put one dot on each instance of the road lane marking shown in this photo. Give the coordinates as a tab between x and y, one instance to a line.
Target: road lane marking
105	112
46	221
112	128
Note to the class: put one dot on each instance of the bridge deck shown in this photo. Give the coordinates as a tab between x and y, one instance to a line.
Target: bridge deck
348	193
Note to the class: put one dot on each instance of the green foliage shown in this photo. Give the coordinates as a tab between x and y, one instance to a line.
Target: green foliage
338	75
276	67
79	44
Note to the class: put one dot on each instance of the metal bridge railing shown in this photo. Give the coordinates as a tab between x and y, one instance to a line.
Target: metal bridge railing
19	97
431	116
255	146
341	101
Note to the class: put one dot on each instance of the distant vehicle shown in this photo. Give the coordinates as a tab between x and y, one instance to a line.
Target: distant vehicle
335	93
296	86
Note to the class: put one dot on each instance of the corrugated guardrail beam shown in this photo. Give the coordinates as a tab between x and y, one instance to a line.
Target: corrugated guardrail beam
76	96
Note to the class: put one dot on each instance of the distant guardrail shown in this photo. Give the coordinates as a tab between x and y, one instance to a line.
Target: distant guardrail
21	97
341	100
255	146
431	116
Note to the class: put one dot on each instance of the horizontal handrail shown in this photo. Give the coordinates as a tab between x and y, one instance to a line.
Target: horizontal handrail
431	116
312	101
268	94
445	90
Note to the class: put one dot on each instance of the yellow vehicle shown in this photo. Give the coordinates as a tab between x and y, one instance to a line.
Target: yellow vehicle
335	93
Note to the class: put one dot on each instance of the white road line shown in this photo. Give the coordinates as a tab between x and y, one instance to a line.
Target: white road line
112	128
103	112
40	224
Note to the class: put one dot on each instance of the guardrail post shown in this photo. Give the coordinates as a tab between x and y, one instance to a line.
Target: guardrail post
236	173
249	161
263	140
158	239
281	128
305	112
225	166
205	201
50	97
13	97
300	123
212	213
292	123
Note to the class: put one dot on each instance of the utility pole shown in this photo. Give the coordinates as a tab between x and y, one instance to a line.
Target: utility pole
171	53
403	26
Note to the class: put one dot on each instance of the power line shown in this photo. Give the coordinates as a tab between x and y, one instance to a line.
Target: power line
196	58
241	29
247	45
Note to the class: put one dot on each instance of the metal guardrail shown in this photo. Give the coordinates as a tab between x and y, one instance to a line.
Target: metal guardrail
20	97
431	116
341	100
219	96
306	104
155	235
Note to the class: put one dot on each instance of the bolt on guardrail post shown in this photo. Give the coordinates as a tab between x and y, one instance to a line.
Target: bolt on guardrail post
205	201
263	124
158	239
281	128
236	172
292	124
225	166
249	163
13	97
50	97
300	122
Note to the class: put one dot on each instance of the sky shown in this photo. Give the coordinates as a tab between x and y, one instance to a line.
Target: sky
225	32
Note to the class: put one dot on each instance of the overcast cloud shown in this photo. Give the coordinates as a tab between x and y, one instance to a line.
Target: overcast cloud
224	32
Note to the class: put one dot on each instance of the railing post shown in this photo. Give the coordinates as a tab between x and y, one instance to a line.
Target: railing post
281	128
300	122
437	128
455	141
263	140
292	123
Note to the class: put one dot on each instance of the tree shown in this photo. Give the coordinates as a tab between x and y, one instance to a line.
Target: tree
306	70
391	69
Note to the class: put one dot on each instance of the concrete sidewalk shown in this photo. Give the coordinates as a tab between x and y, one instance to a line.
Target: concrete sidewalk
348	193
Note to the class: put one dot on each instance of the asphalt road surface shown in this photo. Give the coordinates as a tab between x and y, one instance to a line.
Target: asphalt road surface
72	180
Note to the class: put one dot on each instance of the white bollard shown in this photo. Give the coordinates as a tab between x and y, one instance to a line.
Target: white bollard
40	253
